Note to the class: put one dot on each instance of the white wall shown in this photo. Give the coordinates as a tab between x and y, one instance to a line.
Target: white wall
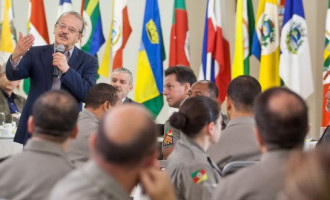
315	12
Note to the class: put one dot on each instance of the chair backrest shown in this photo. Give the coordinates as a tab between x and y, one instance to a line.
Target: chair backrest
236	165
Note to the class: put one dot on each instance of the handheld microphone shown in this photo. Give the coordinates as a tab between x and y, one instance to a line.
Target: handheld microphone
60	48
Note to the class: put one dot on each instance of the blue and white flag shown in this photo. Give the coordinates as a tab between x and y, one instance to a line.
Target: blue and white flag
295	60
65	6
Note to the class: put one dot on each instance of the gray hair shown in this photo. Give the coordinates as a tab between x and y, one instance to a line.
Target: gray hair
125	70
78	16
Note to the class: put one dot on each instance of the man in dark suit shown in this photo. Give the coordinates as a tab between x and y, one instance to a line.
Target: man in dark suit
10	103
122	79
76	69
281	126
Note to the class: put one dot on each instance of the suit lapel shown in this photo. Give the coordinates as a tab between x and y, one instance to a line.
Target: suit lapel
75	59
47	60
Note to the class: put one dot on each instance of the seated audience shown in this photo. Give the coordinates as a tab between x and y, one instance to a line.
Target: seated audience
308	176
192	172
10	103
100	99
208	89
237	141
178	81
124	146
32	174
281	126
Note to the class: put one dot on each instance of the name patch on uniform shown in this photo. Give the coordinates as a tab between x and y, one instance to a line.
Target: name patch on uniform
168	139
199	176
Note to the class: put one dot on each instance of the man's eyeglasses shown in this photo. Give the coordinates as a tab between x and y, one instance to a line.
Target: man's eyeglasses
63	26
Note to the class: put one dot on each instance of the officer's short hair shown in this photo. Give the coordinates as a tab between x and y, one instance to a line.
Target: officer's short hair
55	115
99	94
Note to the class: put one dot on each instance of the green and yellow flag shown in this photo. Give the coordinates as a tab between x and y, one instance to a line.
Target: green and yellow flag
244	36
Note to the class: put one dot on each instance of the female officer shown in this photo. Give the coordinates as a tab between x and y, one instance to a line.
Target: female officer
192	172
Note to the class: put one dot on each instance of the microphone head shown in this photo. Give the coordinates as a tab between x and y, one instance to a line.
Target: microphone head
60	48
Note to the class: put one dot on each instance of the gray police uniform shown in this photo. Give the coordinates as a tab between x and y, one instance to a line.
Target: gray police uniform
171	135
192	172
237	143
78	151
261	181
88	183
33	173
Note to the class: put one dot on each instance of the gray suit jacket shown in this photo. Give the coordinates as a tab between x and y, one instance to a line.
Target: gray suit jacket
261	181
237	143
34	172
78	151
88	183
19	101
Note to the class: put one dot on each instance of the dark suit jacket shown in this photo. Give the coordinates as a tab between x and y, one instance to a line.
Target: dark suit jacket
128	100
37	64
4	107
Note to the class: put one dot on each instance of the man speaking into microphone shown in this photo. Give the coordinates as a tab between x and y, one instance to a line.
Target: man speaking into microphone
50	67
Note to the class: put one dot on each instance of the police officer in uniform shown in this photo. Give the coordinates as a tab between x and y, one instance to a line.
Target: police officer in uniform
192	172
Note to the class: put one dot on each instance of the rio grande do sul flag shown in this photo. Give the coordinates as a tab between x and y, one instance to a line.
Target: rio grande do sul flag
244	36
326	70
149	76
179	46
7	34
266	43
215	53
295	60
199	176
119	33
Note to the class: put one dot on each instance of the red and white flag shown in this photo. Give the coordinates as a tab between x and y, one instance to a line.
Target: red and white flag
37	23
117	39
216	54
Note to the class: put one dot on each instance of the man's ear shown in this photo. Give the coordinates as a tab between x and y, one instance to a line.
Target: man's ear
74	132
106	105
210	128
186	88
31	125
131	87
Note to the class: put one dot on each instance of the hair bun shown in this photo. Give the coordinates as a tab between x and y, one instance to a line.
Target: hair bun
178	120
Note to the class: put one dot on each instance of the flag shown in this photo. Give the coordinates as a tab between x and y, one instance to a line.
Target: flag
7	37
295	60
326	69
65	6
244	36
149	81
119	33
93	38
265	45
199	176
37	26
215	53
179	44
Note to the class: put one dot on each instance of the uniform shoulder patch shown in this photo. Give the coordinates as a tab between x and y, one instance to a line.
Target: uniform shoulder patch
168	139
199	176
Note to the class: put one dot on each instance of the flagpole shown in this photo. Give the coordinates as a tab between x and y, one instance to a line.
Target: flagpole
208	66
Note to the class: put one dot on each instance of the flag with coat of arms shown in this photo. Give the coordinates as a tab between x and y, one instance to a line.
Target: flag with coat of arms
149	75
295	60
118	36
244	36
266	43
